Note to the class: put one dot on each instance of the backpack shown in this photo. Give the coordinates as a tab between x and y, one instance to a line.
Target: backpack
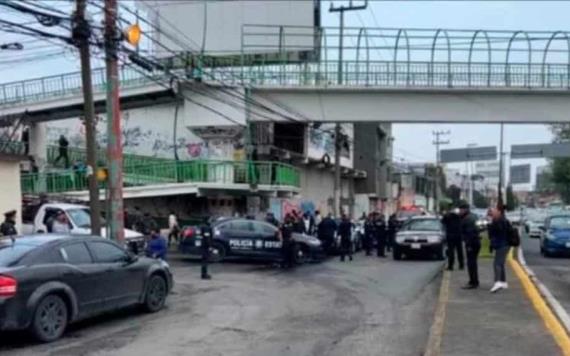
513	237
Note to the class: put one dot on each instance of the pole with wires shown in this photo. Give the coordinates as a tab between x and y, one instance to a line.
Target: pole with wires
114	146
81	34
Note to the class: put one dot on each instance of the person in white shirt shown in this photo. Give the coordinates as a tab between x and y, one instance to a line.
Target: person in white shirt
60	224
173	228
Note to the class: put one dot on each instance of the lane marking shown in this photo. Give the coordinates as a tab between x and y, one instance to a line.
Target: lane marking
550	321
433	347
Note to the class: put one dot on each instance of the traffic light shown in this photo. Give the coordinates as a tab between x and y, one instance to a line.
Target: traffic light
133	34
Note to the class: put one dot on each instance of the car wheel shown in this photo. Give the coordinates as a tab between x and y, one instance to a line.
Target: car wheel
50	318
217	252
301	255
156	292
397	254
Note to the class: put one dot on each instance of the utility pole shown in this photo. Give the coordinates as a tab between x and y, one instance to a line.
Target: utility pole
500	202
81	35
114	146
337	143
438	142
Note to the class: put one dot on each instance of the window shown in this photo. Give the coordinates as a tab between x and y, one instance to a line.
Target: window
243	225
423	225
265	229
76	254
48	257
107	253
11	253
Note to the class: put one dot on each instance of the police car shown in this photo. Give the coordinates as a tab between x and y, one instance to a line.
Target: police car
249	239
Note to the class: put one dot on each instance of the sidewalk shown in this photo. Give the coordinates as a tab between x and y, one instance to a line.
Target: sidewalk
478	322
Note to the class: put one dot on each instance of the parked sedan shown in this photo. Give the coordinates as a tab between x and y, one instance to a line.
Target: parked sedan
420	235
555	239
49	281
249	239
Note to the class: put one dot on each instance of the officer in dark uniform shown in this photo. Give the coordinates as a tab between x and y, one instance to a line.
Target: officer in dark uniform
380	229
206	233
369	234
287	243
392	229
470	235
345	232
8	227
452	223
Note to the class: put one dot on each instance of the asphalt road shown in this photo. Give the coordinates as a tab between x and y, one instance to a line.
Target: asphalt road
370	306
553	272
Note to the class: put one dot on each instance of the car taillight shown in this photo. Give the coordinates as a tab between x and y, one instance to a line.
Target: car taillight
189	233
8	286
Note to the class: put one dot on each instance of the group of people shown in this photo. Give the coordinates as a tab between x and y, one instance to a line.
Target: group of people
463	234
376	229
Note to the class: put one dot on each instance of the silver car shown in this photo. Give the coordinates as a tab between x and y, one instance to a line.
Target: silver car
423	235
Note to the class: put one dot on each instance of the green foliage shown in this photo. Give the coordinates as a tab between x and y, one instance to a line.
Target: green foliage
512	200
479	200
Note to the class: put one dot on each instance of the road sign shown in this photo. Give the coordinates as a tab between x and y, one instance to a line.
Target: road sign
469	154
548	150
520	174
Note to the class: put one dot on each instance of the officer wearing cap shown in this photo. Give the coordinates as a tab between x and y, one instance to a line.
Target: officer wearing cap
8	227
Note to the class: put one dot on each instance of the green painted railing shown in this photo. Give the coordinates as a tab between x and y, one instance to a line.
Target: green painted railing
13	147
198	171
80	154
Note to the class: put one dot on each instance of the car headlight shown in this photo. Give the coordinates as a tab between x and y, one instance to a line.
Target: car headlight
313	241
400	239
434	239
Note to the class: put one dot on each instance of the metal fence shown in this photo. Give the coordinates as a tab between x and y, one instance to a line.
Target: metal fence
199	171
384	57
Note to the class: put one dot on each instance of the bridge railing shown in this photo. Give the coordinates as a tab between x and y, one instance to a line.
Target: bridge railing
199	171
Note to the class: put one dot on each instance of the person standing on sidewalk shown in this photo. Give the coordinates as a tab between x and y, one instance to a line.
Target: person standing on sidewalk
287	243
206	233
452	223
345	232
498	234
173	228
369	234
470	235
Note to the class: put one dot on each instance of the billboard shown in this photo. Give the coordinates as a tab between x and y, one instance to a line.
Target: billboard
469	154
216	27
520	174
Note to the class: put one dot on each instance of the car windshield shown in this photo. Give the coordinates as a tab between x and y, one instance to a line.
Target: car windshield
404	214
560	222
12	252
423	225
81	218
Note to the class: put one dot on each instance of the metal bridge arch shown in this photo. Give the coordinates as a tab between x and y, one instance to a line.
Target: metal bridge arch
361	32
434	43
395	60
489	56
545	54
507	63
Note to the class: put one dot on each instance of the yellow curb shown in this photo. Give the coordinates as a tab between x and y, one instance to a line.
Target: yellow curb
433	347
550	321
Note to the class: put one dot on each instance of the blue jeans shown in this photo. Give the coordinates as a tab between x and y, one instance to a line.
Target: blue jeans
499	263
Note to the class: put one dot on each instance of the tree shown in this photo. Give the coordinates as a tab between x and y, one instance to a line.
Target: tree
561	166
454	194
512	200
479	200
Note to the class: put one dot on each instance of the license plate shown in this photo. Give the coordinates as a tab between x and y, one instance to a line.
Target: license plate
416	246
198	243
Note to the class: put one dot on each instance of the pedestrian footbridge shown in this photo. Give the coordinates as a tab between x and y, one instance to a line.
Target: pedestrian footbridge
386	74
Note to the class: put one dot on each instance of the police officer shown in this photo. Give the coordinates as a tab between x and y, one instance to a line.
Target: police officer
287	244
392	229
326	231
452	223
206	233
369	234
380	229
345	232
8	227
470	235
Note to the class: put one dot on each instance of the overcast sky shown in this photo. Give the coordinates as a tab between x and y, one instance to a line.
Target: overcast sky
412	141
